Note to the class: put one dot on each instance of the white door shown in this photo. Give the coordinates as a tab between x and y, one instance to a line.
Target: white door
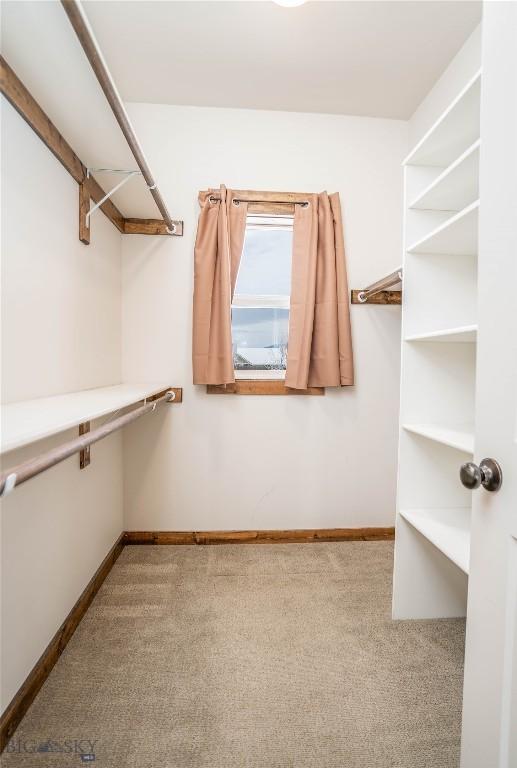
489	737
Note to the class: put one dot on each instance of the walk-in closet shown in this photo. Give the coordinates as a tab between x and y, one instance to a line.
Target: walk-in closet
258	484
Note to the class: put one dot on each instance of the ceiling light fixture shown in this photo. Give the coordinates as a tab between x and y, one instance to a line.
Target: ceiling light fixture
289	3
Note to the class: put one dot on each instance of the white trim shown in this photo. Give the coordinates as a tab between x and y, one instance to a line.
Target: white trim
273	223
252	301
260	375
270	227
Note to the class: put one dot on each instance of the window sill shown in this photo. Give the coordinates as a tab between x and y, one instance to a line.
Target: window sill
260	387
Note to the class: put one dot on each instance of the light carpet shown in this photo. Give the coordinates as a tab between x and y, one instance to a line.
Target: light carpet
251	656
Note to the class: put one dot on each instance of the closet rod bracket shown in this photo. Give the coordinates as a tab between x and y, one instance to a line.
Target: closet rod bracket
378	293
127	176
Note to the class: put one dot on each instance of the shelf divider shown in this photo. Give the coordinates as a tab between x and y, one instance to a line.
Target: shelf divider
454	437
447	529
455	129
460	334
456	236
456	187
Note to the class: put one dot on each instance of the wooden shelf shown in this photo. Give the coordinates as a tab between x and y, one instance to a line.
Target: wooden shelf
461	439
447	529
454	189
455	130
456	236
27	421
461	334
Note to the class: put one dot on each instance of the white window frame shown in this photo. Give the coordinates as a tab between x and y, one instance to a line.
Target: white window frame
257	301
259	375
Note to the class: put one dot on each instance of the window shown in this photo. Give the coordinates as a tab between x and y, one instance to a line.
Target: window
260	308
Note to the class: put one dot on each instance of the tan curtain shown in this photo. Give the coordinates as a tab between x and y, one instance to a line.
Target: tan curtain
219	241
320	344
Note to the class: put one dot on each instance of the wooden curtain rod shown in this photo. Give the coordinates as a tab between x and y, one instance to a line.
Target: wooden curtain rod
22	472
84	32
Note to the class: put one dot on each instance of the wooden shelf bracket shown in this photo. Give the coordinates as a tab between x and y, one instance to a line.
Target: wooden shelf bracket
84	454
84	207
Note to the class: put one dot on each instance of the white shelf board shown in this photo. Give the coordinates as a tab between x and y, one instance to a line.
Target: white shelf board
447	529
456	128
456	187
458	236
27	421
461	439
464	333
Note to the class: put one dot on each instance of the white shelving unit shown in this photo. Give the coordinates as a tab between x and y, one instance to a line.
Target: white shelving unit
28	421
432	546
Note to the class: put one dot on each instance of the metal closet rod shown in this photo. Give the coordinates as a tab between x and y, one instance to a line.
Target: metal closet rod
23	472
84	32
381	285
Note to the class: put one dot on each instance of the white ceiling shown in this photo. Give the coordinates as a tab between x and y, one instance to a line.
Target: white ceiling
363	58
356	58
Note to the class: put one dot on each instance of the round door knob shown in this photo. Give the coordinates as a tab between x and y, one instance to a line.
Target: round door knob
470	475
488	474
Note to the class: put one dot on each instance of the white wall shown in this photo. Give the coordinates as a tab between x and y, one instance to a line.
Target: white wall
61	331
230	462
70	338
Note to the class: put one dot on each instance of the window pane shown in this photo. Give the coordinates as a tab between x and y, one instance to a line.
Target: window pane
260	339
265	266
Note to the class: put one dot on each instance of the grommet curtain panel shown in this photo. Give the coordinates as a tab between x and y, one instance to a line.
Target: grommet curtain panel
319	350
217	253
